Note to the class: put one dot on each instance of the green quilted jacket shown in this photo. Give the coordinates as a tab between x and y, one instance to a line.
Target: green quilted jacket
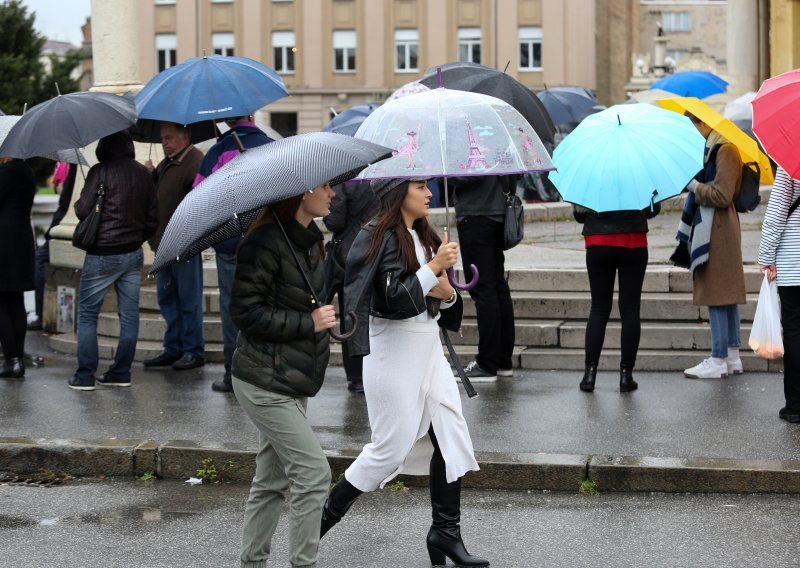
271	305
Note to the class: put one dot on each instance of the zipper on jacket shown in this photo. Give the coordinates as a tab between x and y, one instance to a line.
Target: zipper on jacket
386	289
410	297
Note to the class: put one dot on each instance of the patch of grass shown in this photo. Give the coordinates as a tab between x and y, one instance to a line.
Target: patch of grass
45	190
397	486
147	476
210	473
588	487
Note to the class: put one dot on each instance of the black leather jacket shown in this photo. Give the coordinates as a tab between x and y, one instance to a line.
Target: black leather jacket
384	288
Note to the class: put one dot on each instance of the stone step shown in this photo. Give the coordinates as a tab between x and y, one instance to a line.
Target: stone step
66	343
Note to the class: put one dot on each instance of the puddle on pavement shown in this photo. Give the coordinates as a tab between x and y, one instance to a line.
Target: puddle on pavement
124	515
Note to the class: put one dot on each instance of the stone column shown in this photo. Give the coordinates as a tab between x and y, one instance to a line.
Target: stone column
742	46
115	54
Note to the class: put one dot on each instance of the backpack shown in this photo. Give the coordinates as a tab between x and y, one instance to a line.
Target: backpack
749	197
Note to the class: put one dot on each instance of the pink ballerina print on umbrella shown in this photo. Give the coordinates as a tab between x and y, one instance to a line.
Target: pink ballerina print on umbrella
409	149
529	146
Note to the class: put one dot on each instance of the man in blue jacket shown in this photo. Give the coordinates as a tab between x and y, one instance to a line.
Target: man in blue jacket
220	154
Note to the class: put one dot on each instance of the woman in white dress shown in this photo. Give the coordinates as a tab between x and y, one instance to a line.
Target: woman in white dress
397	286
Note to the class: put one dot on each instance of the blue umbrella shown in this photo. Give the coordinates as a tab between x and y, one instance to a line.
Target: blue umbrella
700	84
567	106
348	121
209	88
627	157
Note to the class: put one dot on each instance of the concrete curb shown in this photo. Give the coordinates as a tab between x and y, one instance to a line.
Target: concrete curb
180	459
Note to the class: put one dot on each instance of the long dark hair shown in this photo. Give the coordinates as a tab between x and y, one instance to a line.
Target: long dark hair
390	217
285	211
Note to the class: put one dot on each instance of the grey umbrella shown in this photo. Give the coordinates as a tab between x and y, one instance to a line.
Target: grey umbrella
68	121
72	156
229	200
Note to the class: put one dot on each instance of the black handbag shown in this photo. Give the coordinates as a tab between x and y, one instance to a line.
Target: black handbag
514	222
85	234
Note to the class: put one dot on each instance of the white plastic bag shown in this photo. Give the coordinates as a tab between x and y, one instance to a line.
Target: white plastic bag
766	337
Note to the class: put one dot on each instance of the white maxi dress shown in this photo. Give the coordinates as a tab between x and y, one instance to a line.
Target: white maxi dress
409	386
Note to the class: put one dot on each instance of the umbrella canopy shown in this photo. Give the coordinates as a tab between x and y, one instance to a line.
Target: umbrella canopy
476	78
650	96
567	106
445	133
698	84
776	121
741	108
627	157
229	200
66	122
411	88
72	156
209	88
348	121
748	148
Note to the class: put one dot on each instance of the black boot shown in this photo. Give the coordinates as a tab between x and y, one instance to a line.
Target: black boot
626	382
13	368
589	375
337	504
444	537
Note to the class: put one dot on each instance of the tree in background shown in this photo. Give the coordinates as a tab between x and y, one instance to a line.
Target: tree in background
20	49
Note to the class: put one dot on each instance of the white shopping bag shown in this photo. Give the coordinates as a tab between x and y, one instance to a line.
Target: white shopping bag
766	337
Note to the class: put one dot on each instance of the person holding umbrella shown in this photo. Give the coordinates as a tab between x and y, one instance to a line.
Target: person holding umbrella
226	149
395	273
280	359
710	230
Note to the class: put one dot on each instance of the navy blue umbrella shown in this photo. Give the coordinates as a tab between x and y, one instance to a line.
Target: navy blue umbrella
568	105
700	84
209	88
348	121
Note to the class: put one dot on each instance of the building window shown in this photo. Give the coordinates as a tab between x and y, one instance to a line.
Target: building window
166	49
284	123
164	2
283	50
406	49
676	22
222	43
344	50
469	45
530	49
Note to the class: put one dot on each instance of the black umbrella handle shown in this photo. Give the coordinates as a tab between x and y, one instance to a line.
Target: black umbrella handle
341	337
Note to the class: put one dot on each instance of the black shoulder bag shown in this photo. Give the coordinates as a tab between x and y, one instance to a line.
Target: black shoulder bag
85	234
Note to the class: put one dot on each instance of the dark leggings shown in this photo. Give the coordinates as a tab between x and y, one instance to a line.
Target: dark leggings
13	323
790	320
602	264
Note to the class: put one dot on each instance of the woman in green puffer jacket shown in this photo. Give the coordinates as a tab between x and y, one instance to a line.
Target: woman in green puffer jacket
280	359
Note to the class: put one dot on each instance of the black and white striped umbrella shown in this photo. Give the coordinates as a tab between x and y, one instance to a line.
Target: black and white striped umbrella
229	200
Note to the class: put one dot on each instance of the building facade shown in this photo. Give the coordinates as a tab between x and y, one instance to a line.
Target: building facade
333	54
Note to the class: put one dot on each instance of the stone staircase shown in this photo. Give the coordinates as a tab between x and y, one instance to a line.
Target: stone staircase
551	307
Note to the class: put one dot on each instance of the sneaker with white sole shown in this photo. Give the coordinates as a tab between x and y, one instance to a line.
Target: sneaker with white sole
505	372
707	369
734	366
476	374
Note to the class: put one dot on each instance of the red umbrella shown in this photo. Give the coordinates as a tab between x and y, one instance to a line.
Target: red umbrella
776	121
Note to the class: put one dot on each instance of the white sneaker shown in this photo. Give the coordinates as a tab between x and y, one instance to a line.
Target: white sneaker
505	372
707	369
734	366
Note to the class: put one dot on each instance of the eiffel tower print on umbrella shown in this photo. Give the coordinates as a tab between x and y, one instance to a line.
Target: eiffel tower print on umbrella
448	133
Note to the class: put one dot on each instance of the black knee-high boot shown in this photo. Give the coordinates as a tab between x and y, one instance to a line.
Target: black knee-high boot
337	504
444	536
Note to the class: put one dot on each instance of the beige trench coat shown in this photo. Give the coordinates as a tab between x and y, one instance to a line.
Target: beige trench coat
720	282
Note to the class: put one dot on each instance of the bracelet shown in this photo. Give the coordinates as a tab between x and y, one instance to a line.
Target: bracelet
452	298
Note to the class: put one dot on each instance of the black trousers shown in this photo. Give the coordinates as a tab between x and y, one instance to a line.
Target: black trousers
603	263
13	323
481	242
790	320
42	259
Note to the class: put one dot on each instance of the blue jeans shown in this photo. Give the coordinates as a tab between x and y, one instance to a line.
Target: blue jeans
124	272
226	271
180	298
725	323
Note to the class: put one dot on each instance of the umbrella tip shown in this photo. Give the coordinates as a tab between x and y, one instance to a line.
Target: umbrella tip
619	120
439	76
506	67
58	90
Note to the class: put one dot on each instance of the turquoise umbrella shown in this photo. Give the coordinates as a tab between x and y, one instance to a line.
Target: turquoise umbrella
627	157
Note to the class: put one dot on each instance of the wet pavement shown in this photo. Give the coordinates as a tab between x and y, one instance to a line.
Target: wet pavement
169	524
535	411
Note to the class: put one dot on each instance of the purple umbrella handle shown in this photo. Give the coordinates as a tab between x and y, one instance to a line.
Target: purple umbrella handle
345	336
451	276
